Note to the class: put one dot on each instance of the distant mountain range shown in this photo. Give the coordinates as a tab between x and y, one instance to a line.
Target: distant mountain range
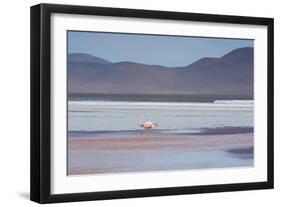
232	74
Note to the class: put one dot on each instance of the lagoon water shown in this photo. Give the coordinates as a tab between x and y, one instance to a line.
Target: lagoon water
105	135
172	117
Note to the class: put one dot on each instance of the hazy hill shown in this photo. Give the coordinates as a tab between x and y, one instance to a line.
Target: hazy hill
81	57
231	74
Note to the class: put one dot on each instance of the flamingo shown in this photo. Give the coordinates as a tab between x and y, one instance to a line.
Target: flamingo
149	125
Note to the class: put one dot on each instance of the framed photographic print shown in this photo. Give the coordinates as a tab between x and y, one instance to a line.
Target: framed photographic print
132	103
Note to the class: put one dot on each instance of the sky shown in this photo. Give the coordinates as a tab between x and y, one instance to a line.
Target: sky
170	51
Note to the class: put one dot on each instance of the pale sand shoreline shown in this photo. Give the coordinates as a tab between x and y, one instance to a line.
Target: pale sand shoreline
90	155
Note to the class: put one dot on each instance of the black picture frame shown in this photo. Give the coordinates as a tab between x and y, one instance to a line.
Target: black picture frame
40	184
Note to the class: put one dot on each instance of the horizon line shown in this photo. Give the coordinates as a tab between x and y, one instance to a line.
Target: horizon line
127	61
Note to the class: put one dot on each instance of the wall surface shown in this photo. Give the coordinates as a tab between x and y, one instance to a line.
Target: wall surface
14	110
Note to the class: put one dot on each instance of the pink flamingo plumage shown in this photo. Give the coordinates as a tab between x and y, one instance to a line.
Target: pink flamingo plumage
149	125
